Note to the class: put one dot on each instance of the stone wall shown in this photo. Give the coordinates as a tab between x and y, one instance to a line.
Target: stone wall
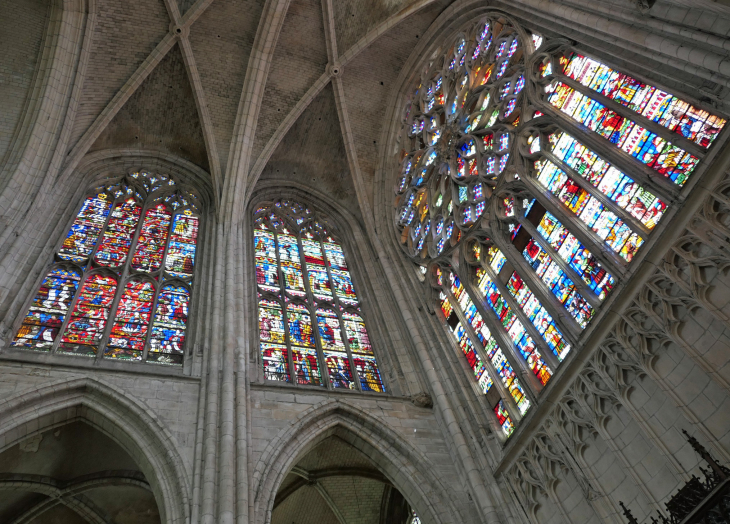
615	435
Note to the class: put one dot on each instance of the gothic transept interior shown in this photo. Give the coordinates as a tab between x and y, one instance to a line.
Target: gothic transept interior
364	261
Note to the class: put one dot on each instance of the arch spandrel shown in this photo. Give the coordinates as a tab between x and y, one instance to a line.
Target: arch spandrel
407	468
128	421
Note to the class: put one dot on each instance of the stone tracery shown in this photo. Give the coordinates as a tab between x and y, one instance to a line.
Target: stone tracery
526	220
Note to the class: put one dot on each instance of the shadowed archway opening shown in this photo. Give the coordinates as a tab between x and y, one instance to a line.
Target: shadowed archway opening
335	483
73	474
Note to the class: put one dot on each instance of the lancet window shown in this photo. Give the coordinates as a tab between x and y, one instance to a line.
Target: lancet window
311	328
543	171
121	283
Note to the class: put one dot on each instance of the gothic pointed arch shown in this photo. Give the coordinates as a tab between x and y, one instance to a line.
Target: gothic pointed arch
400	462
120	282
107	408
528	176
365	299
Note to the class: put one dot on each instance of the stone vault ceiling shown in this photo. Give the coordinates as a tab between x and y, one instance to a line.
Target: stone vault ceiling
331	484
242	87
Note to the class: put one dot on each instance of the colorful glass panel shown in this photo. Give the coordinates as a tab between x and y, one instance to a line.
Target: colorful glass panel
338	368
659	106
610	228
117	239
131	322
368	372
343	287
357	336
300	326
665	158
572	251
168	327
152	237
271	322
329	330
629	195
559	283
313	270
291	266
180	258
538	315
514	327
85	230
86	325
275	362
495	354
48	310
335	256
472	357
267	276
306	366
505	421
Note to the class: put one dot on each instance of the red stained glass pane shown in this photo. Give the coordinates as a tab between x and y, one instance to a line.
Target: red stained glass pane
129	331
180	258
271	322
306	366
151	243
168	328
367	370
275	362
46	314
357	335
88	319
84	232
338	366
114	246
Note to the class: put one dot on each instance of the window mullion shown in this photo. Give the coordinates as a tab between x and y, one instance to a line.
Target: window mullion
123	279
659	185
338	310
668	135
71	306
494	375
587	292
549	204
627	217
505	342
537	286
158	288
312	306
547	353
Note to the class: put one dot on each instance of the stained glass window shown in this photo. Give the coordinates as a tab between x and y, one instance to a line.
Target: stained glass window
543	183
48	310
311	328
120	287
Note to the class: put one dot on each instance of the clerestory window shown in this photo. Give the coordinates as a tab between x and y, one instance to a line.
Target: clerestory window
122	278
311	328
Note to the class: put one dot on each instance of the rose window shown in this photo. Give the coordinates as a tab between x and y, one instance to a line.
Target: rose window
530	177
457	136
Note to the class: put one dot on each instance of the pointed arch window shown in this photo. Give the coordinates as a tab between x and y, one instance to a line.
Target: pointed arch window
121	284
311	328
543	171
